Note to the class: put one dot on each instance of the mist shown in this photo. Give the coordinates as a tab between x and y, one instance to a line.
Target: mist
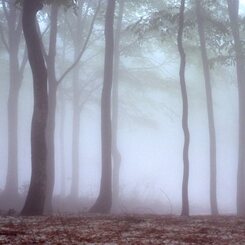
149	118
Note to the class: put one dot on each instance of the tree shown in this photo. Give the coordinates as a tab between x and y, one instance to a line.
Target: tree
34	203
16	69
209	100
233	8
185	198
75	104
78	89
115	151
53	83
52	89
104	200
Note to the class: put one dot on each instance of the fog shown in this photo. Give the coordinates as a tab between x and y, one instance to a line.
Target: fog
150	136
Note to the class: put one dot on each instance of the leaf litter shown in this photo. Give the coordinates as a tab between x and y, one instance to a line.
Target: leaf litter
122	229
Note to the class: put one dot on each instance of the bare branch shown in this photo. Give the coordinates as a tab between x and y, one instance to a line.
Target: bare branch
83	48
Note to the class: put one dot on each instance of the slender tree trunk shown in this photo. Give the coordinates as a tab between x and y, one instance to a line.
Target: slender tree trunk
62	146
233	7
75	153
75	134
115	152
34	203
104	200
52	84
185	198
76	110
209	99
11	187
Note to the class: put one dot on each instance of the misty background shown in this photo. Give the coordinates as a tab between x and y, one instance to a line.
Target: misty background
150	137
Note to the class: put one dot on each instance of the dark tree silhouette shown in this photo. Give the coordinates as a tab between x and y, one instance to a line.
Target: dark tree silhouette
185	198
104	200
34	203
209	99
233	8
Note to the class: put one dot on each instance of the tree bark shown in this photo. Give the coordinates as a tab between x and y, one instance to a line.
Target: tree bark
209	100
233	7
34	203
104	200
185	198
115	151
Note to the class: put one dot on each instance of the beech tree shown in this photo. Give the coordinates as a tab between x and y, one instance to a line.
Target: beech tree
209	100
34	203
185	198
233	8
104	200
78	89
53	83
116	156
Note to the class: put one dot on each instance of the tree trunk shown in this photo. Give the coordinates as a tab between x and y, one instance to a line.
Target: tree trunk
34	203
115	152
185	198
62	146
104	200
11	187
209	100
75	153
233	7
52	84
74	192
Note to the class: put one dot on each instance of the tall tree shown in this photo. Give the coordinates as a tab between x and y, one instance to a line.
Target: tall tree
75	104
34	203
115	151
233	8
16	69
209	100
52	89
185	198
53	83
79	98
104	200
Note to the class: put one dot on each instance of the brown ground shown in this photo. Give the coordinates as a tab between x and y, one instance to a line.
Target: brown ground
123	229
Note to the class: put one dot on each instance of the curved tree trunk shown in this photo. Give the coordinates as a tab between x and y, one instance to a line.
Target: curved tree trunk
209	99
34	203
104	200
115	151
52	93
185	198
233	7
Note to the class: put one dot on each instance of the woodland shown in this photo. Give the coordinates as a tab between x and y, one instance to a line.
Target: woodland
123	122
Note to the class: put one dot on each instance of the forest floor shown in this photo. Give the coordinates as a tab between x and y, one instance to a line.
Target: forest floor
122	229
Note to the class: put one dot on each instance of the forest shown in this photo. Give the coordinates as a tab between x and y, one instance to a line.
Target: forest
123	122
